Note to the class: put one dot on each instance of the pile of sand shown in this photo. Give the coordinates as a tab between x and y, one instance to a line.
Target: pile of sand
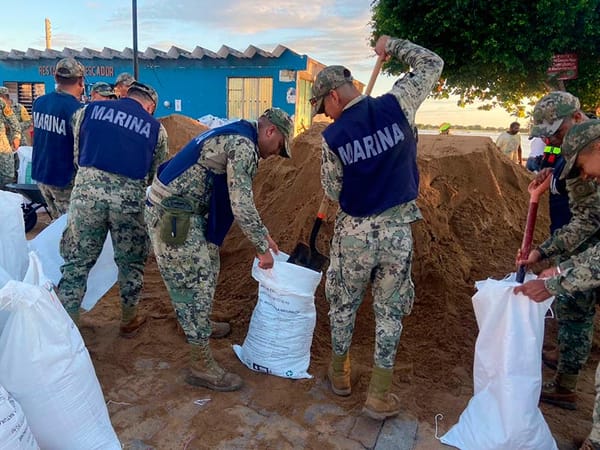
181	129
474	202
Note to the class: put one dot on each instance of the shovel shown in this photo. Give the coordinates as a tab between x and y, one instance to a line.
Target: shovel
308	255
535	193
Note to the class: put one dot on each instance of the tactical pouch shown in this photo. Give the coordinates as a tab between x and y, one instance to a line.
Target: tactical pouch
175	221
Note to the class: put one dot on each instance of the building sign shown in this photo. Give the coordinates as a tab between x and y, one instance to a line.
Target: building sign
90	71
563	67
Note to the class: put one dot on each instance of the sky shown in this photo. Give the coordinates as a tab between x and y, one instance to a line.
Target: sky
330	31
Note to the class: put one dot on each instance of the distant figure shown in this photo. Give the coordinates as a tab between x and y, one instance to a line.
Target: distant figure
10	139
509	142
445	128
536	155
102	91
122	84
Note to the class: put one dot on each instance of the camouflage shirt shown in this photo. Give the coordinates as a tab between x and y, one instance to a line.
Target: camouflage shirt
581	272
410	91
9	127
584	202
237	156
23	116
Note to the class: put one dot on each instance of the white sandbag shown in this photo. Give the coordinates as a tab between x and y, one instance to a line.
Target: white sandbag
14	430
46	367
24	173
504	413
102	276
13	244
283	321
4	278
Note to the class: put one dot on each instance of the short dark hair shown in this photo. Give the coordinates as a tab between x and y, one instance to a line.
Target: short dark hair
66	81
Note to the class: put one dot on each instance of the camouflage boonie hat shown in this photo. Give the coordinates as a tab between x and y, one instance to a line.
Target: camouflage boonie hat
550	111
3	90
125	78
579	137
146	89
69	68
103	89
284	124
328	79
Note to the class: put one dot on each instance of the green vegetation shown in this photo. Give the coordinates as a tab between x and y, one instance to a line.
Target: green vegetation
499	52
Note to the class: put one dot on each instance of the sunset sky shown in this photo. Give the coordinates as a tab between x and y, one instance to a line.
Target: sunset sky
330	31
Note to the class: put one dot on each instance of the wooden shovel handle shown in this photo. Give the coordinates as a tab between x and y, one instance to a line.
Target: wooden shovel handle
374	74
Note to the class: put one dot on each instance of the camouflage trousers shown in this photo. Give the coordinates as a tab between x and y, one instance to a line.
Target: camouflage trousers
380	253
7	169
575	315
190	272
91	217
595	434
57	199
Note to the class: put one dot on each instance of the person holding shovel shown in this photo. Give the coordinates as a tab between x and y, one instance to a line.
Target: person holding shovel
191	205
554	115
369	165
581	272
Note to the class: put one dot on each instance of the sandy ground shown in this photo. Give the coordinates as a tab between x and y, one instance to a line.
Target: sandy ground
474	203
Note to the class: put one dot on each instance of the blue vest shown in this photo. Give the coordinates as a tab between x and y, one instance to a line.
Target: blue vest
52	159
378	151
560	212
118	136
220	215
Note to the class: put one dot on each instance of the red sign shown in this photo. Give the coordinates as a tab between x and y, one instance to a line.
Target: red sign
563	67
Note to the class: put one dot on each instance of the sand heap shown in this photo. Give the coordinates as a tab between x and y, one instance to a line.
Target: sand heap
181	129
474	202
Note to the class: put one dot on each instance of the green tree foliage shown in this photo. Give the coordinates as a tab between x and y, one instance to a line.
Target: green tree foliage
499	51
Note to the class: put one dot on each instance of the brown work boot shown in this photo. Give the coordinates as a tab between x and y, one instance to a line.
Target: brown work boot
131	321
561	391
380	403
550	358
339	374
219	329
205	372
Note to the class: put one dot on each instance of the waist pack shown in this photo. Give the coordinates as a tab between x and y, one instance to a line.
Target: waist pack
175	221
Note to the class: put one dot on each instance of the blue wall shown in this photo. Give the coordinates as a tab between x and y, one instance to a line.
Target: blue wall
201	84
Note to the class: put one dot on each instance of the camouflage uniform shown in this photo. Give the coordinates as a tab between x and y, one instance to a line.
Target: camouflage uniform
190	270
9	130
100	202
581	272
24	119
376	248
574	309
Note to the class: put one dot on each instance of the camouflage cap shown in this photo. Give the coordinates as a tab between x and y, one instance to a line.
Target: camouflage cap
125	78
103	89
146	89
69	68
328	79
3	90
284	124
579	137
550	111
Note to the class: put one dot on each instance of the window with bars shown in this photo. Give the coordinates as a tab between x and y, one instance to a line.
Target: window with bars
248	98
24	92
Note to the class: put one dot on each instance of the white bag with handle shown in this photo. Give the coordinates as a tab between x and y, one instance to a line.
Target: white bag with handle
503	412
46	367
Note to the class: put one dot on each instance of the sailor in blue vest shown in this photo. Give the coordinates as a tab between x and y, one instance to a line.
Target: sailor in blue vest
119	146
52	164
192	203
369	166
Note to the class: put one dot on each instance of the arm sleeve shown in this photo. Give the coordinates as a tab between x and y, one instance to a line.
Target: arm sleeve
242	161
412	89
584	201
580	273
14	129
161	152
76	120
331	173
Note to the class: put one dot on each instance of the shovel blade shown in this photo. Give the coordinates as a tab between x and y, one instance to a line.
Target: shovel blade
303	256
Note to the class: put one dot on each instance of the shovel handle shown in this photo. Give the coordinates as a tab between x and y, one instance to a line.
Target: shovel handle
374	74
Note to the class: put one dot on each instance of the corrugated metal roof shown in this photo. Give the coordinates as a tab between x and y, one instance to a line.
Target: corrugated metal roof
149	53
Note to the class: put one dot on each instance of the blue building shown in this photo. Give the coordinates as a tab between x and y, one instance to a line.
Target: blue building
228	83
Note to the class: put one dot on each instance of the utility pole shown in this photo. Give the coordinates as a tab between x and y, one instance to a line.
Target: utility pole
135	39
48	29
